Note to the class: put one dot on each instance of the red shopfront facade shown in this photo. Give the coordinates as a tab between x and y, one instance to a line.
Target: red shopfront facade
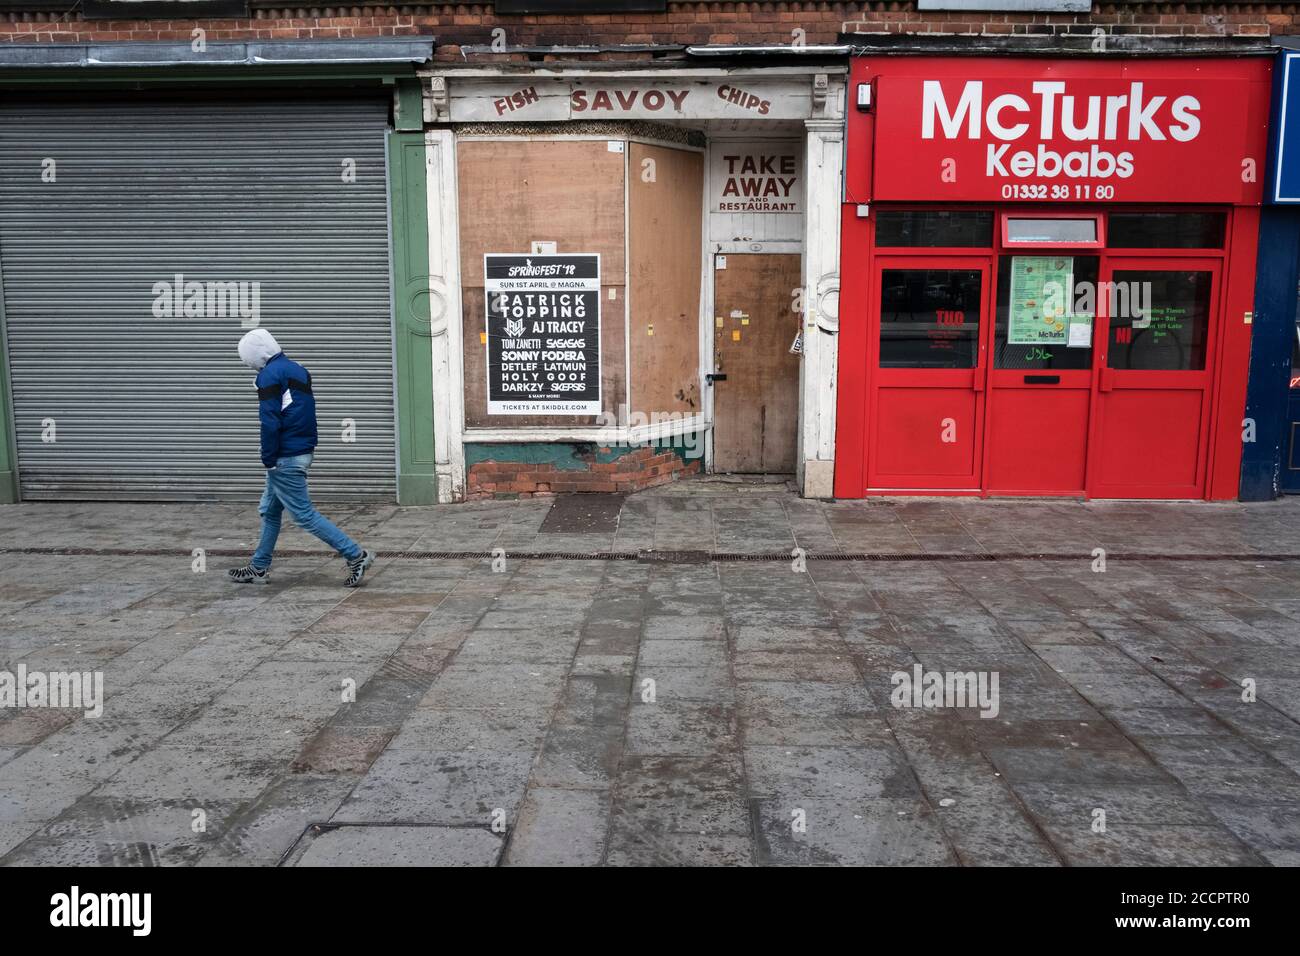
1047	275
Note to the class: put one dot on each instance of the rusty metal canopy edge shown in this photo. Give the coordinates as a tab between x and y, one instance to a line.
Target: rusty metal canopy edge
379	50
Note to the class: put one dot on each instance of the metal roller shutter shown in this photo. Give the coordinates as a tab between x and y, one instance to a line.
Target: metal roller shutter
224	191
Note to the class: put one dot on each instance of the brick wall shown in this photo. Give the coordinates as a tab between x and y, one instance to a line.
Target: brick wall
1150	19
683	23
639	468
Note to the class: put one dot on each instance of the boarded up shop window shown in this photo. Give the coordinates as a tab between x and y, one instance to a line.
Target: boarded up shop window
665	206
515	192
573	193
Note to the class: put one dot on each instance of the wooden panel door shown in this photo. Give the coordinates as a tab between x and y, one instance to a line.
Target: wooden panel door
1159	323
756	407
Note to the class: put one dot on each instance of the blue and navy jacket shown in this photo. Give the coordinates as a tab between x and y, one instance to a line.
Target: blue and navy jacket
287	409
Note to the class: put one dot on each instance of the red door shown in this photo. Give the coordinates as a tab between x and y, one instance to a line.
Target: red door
1157	326
1040	383
927	351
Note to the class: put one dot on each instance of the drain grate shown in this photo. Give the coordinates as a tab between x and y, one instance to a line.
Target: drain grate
677	557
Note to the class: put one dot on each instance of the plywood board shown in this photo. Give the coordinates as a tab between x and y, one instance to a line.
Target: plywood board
756	409
514	192
665	221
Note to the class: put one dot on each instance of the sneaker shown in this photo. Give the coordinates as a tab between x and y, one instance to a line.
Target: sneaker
357	568
249	575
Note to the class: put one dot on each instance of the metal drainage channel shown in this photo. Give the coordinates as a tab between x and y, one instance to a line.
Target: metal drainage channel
672	557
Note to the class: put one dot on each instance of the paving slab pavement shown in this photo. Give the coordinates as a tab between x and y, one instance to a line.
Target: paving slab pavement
720	674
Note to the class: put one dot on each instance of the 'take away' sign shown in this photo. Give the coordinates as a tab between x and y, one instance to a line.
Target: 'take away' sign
758	177
533	100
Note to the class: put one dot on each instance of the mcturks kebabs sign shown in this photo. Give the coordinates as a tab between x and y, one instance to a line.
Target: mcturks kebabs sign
998	130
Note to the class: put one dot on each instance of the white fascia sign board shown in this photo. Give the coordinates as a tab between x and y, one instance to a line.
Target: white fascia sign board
531	99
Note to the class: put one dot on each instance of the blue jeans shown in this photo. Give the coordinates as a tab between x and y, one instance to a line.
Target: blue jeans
286	487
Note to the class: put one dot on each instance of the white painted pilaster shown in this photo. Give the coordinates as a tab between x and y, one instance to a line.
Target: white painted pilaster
445	311
821	274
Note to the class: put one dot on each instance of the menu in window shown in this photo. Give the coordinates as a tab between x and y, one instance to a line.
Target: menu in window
1041	287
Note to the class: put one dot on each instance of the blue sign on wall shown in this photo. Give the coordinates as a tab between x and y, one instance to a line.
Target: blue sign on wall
1284	131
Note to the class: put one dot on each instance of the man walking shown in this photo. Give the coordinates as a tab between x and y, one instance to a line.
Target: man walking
287	411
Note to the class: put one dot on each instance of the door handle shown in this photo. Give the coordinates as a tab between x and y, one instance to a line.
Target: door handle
712	377
1107	378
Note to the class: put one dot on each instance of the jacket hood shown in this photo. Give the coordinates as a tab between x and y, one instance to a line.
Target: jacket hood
257	348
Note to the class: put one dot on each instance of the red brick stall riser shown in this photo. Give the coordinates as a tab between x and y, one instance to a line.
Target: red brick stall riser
635	471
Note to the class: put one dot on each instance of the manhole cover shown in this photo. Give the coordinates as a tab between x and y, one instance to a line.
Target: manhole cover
583	514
